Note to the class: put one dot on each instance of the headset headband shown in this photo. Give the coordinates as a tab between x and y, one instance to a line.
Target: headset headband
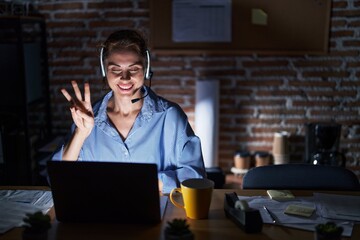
147	71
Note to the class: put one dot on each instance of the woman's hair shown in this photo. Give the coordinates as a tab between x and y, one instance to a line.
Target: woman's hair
124	40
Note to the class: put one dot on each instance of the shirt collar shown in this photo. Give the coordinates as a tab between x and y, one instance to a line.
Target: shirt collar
151	105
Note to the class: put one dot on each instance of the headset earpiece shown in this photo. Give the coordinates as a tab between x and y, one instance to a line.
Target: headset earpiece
102	62
148	72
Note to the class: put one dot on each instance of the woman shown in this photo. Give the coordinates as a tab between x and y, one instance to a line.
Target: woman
131	123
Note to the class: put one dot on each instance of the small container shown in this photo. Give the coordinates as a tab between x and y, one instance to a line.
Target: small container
242	159
262	158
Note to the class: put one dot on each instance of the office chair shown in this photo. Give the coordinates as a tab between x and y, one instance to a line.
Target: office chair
217	175
301	176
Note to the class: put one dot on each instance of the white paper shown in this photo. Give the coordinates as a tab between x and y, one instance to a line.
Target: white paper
42	199
14	204
342	207
201	21
12	214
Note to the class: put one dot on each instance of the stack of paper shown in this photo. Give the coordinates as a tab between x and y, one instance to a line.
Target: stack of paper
14	204
341	209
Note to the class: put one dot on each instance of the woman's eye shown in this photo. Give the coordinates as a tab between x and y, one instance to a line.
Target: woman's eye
116	71
132	71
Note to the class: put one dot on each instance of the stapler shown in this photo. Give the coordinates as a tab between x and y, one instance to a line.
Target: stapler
248	219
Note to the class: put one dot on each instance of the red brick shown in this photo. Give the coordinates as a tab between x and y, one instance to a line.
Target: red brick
333	113
278	93
59	6
341	33
353	43
312	84
338	23
74	72
317	103
110	5
167	63
353	64
318	63
224	72
339	4
256	83
126	14
276	63
217	63
338	93
355	23
77	15
167	73
257	130
338	74
64	25
263	102
75	34
269	73
341	53
114	24
281	111
346	13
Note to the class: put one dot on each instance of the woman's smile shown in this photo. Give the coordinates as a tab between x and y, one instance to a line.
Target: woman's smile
125	87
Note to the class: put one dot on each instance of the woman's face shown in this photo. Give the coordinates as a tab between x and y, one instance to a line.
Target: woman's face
125	74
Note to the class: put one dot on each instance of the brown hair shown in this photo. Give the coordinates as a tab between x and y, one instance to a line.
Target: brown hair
129	40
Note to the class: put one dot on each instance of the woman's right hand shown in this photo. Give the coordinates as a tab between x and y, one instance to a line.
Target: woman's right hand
81	109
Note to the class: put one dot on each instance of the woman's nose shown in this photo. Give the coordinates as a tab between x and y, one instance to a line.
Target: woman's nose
125	75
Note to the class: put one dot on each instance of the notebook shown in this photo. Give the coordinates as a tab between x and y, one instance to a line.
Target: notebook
105	192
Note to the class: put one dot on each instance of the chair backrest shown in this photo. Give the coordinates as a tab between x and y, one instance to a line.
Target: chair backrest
301	176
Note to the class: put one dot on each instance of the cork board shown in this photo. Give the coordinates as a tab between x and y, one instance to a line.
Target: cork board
291	27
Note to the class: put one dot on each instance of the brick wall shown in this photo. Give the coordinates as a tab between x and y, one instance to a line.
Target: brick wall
260	94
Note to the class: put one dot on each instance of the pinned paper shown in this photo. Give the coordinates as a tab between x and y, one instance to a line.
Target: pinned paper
258	17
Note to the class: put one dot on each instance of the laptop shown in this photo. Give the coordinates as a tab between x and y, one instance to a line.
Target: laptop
110	192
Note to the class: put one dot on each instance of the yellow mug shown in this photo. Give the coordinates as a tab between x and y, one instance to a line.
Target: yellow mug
196	194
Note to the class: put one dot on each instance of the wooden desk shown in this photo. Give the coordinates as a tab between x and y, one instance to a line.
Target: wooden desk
216	227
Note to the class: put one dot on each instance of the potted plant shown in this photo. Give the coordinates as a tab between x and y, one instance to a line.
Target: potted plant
36	226
178	229
328	231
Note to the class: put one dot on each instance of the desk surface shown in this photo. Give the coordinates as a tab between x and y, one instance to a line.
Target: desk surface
217	226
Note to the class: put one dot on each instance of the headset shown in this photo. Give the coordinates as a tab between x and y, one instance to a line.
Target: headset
147	76
148	72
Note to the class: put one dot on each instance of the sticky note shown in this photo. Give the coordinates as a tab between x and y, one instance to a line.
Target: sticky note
304	211
280	195
258	17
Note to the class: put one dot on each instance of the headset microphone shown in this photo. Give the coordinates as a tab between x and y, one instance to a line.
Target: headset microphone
148	76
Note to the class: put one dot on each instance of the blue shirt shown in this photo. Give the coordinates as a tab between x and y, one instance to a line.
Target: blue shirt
161	134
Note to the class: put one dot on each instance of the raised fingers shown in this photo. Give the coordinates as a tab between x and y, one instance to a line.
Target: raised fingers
66	94
87	93
76	90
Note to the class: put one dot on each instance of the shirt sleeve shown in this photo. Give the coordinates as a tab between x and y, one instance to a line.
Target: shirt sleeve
188	160
58	154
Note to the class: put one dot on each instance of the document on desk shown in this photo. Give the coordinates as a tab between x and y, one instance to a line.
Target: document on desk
14	204
341	207
277	210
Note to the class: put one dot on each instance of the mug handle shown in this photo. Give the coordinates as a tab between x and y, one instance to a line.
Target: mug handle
173	200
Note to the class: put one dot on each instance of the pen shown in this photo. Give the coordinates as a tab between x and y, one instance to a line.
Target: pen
273	217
